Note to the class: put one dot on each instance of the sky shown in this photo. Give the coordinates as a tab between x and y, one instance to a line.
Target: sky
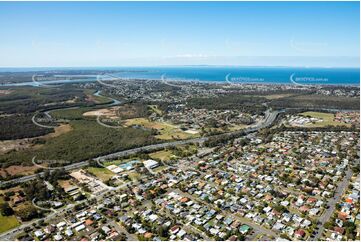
76	34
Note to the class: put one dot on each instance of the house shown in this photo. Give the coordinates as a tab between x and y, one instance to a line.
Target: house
304	209
228	221
181	233
300	233
50	229
148	235
58	237
69	232
339	230
233	238
49	186
80	228
267	209
89	222
244	229
106	229
174	229
153	217
57	204
39	234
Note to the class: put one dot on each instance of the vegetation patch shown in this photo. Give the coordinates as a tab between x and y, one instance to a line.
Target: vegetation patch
317	102
20	126
327	119
87	140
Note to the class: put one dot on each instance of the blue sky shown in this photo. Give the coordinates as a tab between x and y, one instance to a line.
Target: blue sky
179	33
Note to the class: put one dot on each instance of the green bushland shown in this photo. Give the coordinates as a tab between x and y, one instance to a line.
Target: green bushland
20	126
317	102
31	99
232	101
87	140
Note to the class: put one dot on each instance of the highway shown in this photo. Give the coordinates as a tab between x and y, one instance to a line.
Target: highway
268	121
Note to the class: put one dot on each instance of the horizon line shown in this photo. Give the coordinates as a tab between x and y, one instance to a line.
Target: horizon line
180	65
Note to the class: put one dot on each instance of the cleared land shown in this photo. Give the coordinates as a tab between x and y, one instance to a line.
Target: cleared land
102	173
15	170
167	131
108	112
327	119
162	155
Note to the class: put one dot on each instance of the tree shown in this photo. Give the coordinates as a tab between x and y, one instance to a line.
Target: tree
27	213
6	210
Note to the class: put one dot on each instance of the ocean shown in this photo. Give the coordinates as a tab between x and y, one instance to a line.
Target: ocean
267	75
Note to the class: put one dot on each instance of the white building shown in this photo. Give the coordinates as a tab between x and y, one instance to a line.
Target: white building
150	164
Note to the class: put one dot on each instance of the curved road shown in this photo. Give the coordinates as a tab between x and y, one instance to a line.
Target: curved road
269	119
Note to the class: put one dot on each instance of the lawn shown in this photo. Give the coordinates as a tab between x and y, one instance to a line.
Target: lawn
162	155
7	222
102	173
326	117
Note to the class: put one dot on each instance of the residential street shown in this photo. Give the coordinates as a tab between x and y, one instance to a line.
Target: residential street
332	203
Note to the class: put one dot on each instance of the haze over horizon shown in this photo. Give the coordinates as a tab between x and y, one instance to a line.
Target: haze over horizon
117	34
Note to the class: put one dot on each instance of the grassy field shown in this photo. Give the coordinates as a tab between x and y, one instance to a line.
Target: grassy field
167	131
237	127
163	155
102	173
277	96
71	114
327	119
7	222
